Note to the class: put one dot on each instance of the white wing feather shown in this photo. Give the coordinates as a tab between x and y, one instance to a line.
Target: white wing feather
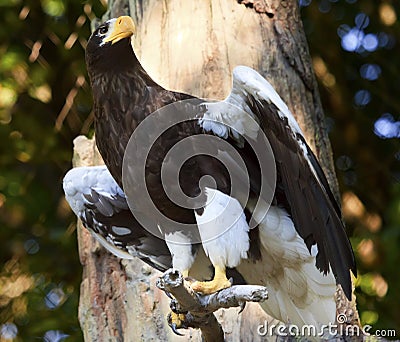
80	181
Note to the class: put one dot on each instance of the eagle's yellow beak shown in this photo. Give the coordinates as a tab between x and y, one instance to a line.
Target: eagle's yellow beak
124	27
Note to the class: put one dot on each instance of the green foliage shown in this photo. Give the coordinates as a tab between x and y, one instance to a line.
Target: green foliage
365	138
45	102
41	65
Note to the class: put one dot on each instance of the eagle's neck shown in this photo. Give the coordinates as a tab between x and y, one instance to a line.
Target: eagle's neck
116	69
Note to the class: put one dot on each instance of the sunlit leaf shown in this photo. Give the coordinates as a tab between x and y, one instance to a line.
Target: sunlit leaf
54	8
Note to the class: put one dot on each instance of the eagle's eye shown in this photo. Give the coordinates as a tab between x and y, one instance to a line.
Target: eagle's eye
103	30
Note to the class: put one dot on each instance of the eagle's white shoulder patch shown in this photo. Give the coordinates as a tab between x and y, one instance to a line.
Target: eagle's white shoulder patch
80	181
228	119
249	81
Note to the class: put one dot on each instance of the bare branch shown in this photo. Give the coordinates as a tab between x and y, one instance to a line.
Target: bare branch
198	309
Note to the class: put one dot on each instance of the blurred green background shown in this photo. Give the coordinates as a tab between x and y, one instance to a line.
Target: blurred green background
45	102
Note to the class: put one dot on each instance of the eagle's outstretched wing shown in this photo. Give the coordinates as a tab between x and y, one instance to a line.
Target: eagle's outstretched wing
99	202
301	187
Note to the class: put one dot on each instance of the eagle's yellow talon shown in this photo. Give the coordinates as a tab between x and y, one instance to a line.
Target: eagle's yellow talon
176	321
219	282
209	287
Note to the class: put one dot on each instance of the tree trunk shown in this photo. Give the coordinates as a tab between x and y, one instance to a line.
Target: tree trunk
192	46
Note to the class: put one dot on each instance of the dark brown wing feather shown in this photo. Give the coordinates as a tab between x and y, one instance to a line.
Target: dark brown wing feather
308	199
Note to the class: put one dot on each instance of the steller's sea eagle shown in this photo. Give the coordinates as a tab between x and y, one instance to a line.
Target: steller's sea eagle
298	247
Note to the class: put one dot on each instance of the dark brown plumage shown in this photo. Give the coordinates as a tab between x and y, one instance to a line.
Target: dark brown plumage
123	96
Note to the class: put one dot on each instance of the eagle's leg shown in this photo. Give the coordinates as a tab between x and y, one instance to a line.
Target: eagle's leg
219	282
224	234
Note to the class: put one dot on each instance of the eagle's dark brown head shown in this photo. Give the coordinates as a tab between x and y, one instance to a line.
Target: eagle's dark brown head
109	47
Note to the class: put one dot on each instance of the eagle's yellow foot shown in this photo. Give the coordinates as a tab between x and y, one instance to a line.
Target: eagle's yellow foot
176	321
219	282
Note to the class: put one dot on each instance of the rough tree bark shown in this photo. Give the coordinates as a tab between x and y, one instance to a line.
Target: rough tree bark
192	46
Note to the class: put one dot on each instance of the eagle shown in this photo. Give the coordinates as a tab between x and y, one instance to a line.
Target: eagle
293	242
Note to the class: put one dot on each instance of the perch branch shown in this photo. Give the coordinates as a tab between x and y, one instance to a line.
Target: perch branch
199	309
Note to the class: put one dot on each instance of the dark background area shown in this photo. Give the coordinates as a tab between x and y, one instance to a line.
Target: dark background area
45	102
